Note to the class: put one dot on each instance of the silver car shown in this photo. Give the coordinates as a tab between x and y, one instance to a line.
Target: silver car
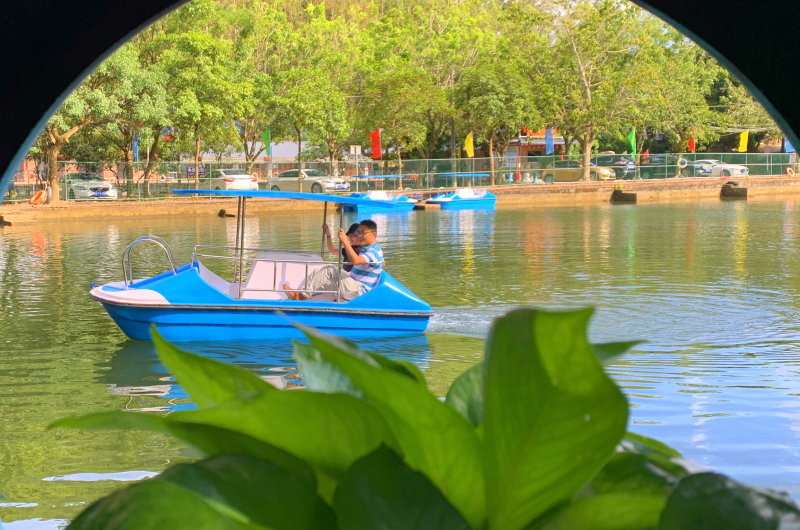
88	186
314	181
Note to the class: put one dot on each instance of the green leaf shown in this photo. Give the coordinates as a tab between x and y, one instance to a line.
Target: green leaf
380	491
710	500
231	491
329	431
608	352
431	435
612	511
466	394
208	382
320	376
210	440
636	473
116	419
552	417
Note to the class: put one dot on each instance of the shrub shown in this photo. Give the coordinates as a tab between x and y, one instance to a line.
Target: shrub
533	437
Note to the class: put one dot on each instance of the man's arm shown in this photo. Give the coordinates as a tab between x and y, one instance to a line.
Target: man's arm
328	240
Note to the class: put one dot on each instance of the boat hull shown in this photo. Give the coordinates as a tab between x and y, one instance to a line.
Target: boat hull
466	204
198	323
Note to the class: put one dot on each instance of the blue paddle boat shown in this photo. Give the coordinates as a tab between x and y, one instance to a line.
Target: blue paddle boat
465	199
190	302
378	201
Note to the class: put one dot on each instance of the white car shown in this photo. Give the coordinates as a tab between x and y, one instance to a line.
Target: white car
88	186
229	179
729	170
314	181
709	167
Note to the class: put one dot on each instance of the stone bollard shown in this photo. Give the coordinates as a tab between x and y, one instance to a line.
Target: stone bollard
623	197
731	190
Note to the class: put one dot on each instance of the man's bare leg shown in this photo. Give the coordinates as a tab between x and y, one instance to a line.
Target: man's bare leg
291	294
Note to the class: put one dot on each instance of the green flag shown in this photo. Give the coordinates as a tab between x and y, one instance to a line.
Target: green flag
267	138
632	140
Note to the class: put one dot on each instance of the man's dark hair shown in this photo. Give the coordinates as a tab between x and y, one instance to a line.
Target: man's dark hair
370	224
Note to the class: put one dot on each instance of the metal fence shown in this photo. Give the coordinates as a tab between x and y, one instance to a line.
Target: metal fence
139	182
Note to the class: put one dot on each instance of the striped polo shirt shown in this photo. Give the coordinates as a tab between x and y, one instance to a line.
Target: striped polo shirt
369	273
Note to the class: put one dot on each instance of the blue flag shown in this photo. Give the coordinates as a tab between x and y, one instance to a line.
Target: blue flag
135	147
549	146
787	146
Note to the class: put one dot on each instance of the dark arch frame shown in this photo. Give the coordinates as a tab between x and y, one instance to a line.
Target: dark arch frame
48	47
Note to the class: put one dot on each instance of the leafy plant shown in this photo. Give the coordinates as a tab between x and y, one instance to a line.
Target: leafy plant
533	437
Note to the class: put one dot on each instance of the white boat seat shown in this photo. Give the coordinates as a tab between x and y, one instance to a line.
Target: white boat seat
263	283
468	193
378	195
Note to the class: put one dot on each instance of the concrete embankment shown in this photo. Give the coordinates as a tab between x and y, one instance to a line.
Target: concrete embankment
535	195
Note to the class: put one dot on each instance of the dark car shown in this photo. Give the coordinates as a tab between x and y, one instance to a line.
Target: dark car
623	165
661	166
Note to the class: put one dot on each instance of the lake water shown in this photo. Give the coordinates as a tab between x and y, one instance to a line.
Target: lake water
713	288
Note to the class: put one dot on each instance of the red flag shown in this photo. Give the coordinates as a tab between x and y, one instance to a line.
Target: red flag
691	143
645	155
375	136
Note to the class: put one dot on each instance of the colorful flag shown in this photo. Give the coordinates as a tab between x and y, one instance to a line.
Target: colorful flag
632	140
692	144
135	147
469	147
645	155
743	137
375	136
266	137
549	144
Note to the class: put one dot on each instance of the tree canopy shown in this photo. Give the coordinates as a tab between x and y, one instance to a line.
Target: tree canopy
219	73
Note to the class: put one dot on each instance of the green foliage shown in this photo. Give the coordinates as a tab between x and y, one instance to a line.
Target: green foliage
426	72
533	437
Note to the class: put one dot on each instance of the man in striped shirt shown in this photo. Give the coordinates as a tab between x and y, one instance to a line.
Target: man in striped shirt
365	274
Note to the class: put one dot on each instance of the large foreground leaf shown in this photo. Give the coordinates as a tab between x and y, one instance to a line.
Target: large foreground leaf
710	500
210	440
329	431
208	382
432	437
380	491
466	394
218	493
610	511
552	416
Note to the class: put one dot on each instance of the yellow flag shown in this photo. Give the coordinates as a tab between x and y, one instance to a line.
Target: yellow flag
468	147
743	141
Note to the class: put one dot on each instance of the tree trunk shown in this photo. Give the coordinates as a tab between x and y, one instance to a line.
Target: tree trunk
586	144
491	161
453	142
196	159
299	159
52	171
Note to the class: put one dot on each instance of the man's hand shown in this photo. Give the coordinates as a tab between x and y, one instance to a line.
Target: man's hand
343	237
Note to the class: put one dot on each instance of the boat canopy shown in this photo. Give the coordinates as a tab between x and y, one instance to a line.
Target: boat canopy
463	175
297	195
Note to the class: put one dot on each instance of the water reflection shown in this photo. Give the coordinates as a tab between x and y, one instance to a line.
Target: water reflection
136	372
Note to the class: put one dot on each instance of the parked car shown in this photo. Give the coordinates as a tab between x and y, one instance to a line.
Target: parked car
314	181
729	170
229	179
662	165
624	166
700	168
88	186
572	171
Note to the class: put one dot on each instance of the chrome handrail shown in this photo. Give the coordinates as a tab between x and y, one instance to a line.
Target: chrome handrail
127	264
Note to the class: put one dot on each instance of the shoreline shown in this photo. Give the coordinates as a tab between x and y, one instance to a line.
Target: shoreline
538	195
